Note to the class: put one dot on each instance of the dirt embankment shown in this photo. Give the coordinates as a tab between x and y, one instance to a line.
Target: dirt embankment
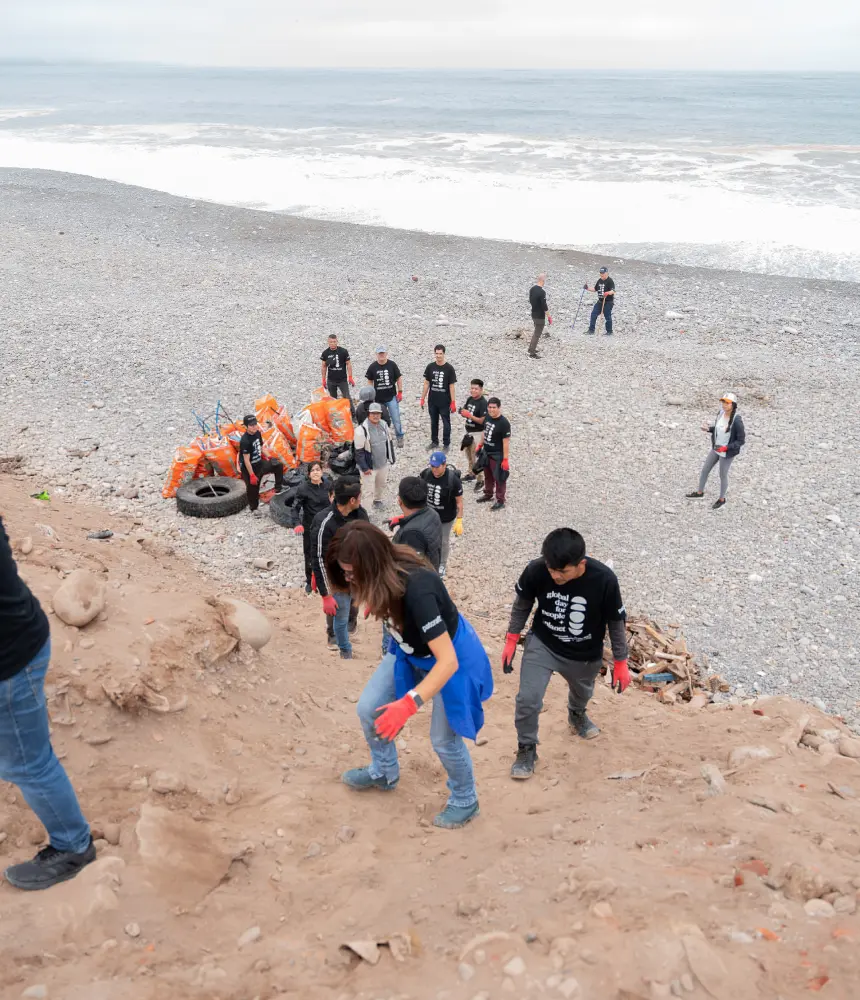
661	859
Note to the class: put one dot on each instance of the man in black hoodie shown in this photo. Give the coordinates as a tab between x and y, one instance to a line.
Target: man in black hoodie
338	607
419	526
27	758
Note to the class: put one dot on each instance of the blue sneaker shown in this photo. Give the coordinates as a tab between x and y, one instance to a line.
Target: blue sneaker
361	779
453	817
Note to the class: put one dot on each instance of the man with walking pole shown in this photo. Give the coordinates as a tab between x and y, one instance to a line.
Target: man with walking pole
605	288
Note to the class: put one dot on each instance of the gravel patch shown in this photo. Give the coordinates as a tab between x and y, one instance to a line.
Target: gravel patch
123	309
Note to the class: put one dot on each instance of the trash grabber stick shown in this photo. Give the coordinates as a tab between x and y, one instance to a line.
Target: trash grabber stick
581	296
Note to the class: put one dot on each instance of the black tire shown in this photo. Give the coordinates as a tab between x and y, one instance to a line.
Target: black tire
214	496
281	507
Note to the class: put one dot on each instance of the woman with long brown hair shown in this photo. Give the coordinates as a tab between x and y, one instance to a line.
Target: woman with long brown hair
434	653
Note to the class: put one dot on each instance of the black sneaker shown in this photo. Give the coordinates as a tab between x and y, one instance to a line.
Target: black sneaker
49	867
470	477
433	445
308	589
484	499
719	503
379	504
524	766
589	331
695	495
498	505
536	357
582	725
479	486
331	641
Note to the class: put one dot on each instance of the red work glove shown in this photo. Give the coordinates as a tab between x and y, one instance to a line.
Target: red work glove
620	676
722	449
330	605
511	640
506	465
394	521
391	718
351	380
299	529
465	413
252	479
314	583
549	319
453	406
399	397
422	404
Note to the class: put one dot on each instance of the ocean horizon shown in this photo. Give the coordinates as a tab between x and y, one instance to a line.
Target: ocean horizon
757	172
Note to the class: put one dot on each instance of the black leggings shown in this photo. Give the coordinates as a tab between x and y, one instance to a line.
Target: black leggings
260	470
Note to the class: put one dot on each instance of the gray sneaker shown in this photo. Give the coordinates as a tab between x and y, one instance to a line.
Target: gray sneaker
582	725
361	779
524	766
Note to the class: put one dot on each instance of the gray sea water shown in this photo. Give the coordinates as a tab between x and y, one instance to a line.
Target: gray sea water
753	171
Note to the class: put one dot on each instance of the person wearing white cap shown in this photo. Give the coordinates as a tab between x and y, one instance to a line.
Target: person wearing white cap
374	451
386	379
727	438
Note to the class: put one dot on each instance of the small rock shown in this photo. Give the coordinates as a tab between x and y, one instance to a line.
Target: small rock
467	907
849	747
246	623
87	643
314	850
671	314
818	908
79	598
133	930
98	404
845	904
38	992
112	833
130	493
481	741
251	935
165	782
345	834
233	794
557	831
516	967
741	754
602	910
789	329
26	546
687	982
465	971
569	988
675	401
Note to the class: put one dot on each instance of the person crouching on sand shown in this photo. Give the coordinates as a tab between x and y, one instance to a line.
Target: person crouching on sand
433	653
727	439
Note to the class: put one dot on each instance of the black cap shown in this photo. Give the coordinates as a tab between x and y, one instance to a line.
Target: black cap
249	419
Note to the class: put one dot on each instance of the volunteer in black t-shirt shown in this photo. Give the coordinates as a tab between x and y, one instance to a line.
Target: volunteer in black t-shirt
445	496
605	288
577	597
253	465
27	758
386	379
434	653
336	370
540	313
475	412
439	381
496	444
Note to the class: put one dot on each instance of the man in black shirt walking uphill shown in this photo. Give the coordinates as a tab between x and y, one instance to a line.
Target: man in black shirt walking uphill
496	445
577	597
336	370
387	381
27	758
605	288
439	381
340	614
475	412
253	466
540	313
445	496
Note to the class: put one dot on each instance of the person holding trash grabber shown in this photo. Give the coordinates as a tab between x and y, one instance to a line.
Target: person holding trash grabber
341	613
433	654
445	496
540	313
475	412
314	495
605	288
253	465
577	598
727	438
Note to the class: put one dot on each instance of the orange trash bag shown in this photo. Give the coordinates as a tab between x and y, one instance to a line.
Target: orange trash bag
275	444
309	443
282	421
220	454
186	463
318	413
266	407
319	393
339	421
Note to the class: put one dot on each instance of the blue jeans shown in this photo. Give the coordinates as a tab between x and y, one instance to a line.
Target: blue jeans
341	622
394	410
606	305
27	758
450	748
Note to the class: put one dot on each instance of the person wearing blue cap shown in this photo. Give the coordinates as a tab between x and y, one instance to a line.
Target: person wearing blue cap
445	496
605	288
387	380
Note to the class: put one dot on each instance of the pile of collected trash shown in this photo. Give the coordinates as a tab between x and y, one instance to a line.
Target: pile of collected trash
215	452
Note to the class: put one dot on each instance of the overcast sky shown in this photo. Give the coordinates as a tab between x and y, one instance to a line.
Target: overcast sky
721	34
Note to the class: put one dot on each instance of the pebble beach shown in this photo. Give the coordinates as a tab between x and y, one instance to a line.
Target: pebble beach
124	309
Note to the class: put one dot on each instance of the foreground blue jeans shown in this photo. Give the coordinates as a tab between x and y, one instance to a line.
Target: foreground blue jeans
394	410
27	758
450	748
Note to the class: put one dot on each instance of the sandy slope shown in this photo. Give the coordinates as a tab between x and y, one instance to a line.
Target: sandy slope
604	888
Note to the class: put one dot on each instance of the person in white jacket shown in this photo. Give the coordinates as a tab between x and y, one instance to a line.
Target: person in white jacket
374	451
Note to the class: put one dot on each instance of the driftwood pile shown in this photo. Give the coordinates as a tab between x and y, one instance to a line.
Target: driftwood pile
660	662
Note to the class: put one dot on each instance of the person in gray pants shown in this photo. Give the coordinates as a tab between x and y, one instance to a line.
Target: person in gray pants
577	598
727	438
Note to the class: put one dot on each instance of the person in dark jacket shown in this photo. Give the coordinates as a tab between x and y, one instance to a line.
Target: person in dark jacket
27	758
727	439
540	313
419	525
314	495
340	613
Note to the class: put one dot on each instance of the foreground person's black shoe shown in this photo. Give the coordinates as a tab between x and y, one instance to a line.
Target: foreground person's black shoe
49	867
524	766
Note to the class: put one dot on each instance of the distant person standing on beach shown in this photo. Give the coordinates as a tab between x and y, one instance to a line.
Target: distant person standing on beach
475	412
605	288
540	313
336	372
727	438
439	382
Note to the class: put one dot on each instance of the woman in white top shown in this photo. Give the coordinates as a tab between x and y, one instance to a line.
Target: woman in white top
727	437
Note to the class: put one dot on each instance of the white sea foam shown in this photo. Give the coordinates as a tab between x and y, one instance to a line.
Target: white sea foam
562	193
7	114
